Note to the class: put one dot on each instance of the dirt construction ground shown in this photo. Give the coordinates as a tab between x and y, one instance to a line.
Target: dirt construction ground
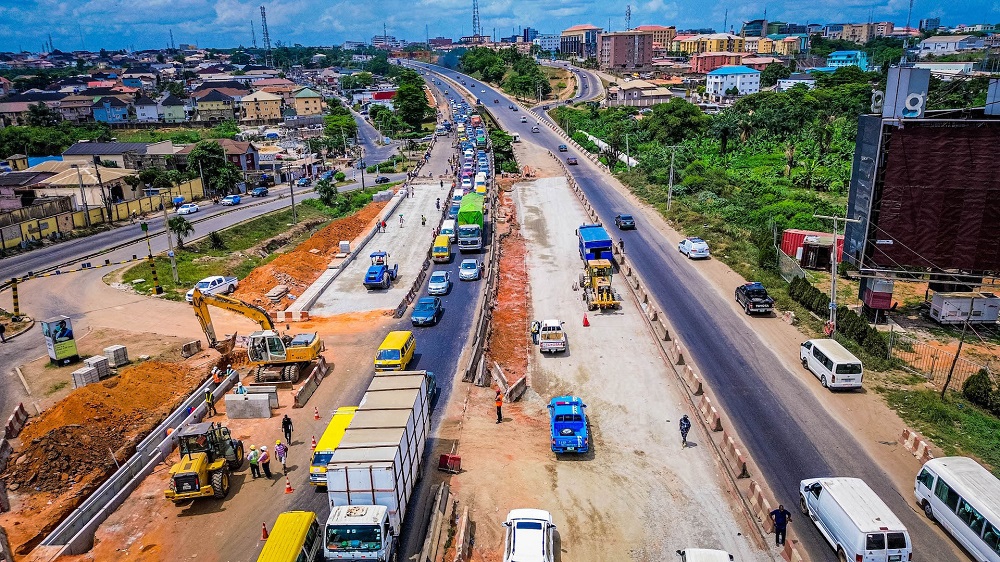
638	495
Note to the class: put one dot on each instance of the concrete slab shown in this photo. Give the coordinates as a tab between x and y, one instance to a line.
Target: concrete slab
407	245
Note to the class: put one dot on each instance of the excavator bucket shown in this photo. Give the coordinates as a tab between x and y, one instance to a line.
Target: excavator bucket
225	347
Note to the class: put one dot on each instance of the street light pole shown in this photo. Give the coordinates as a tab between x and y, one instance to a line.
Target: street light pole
291	189
83	195
170	242
833	266
670	186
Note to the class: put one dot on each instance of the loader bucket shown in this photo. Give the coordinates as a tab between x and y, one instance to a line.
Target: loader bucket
225	347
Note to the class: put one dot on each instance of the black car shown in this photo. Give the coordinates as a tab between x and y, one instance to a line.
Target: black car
382	179
563	148
754	299
625	222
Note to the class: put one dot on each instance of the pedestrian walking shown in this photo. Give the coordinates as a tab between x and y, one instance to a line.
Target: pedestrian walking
400	220
210	402
499	402
621	245
265	462
3	330
442	186
536	326
423	220
382	224
254	458
685	428
781	517
281	453
286	428
437	203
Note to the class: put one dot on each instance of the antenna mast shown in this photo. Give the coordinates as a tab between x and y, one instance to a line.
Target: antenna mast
628	17
268	58
477	25
253	34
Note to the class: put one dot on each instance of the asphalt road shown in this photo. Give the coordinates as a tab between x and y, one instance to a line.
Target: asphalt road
787	430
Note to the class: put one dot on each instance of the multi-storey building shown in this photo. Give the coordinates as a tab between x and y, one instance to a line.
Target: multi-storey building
626	50
580	40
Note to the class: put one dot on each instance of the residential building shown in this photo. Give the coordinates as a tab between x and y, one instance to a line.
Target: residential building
833	30
752	44
215	106
703	63
141	78
759	63
308	102
754	28
260	108
6	87
85	152
787	47
745	80
626	50
14	109
244	155
232	88
814	28
352	45
930	24
662	35
948	70
838	59
172	109
75	108
146	110
884	28
580	41
785	84
548	42
383	98
638	93
949	44
109	110
278	86
709	43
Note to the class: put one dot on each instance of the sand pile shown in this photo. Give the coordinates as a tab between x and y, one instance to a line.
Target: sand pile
300	267
509	340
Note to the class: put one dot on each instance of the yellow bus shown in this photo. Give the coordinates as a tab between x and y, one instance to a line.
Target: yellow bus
396	351
328	443
295	537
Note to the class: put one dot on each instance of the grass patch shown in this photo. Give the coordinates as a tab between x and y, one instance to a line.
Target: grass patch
56	387
953	424
200	260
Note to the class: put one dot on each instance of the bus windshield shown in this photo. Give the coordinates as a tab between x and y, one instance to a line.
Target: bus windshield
353	537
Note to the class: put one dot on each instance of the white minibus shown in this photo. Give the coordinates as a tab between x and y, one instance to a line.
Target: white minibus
964	498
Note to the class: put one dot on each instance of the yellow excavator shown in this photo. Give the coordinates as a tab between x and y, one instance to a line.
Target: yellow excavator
274	357
596	284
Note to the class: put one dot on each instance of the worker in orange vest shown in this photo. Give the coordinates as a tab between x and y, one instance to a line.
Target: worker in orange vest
499	407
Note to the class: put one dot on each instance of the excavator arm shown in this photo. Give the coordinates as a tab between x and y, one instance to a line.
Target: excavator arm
201	301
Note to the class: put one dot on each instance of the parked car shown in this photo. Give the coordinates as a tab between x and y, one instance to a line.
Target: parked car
754	299
469	270
572	161
832	363
563	148
187	209
625	222
259	192
693	247
551	337
382	179
302	182
568	425
213	285
427	311
230	200
529	536
439	283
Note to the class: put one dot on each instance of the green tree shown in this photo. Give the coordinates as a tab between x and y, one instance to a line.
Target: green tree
411	105
181	229
41	115
220	174
772	73
674	121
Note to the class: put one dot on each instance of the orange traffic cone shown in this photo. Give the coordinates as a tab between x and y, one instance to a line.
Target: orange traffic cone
314	443
586	323
263	531
288	486
316	413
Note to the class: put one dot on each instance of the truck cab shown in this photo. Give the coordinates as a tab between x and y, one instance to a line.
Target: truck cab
359	532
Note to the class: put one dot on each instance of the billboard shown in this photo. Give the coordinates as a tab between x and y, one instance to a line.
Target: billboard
930	199
59	339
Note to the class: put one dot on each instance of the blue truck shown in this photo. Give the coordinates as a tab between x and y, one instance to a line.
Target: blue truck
568	425
595	242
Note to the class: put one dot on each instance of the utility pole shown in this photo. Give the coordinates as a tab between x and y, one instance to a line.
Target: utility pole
291	189
670	185
83	195
627	159
833	267
170	242
958	351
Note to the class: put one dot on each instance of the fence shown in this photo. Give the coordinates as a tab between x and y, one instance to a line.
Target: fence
788	268
930	361
37	211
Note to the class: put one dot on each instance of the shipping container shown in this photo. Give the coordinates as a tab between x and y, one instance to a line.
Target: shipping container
794	242
956	308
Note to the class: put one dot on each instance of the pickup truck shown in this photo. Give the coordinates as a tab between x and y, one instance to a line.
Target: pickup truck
551	337
214	284
754	299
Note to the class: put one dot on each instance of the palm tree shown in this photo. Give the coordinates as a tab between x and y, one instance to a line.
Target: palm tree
181	228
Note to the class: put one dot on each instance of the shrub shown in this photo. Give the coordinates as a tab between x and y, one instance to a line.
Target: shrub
980	390
875	344
216	241
340	176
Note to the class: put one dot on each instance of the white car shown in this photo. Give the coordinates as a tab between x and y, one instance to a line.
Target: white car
187	209
524	119
693	247
469	270
439	283
529	536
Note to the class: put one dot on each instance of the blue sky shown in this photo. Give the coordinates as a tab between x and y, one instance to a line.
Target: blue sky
116	24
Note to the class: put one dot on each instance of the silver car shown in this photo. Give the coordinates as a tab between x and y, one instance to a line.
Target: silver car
469	270
439	283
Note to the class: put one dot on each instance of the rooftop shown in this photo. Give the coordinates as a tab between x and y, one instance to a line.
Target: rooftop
725	70
103	148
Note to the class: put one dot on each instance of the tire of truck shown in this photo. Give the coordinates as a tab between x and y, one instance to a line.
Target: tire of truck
220	483
293	374
802	505
231	289
258	375
237	463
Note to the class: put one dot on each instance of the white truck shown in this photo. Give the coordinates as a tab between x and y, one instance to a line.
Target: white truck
214	284
551	337
371	475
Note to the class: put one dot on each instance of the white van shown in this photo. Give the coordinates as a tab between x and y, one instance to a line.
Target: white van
448	228
833	365
704	555
964	498
854	520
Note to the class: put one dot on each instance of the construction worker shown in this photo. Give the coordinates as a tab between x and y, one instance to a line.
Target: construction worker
230	371
685	428
286	428
499	403
254	458
536	326
281	453
210	403
240	389
265	462
437	204
216	375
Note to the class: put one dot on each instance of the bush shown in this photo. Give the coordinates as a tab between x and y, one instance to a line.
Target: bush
216	241
980	390
339	176
875	344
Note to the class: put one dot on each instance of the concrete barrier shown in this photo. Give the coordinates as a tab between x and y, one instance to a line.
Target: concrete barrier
736	456
693	381
791	551
916	444
760	506
270	391
709	414
679	353
247	406
517	390
662	324
290	316
463	537
15	423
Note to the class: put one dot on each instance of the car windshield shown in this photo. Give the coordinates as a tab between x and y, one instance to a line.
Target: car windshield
424	306
626	217
321	459
353	537
438	278
469	265
388	355
204	284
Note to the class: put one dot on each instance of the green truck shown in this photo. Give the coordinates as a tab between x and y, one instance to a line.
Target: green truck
470	223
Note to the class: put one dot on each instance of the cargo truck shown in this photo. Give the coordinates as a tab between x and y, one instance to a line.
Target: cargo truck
470	223
595	243
371	475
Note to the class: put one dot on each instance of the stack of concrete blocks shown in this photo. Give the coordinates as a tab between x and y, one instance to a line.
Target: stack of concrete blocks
276	294
117	355
246	406
345	249
84	376
100	363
